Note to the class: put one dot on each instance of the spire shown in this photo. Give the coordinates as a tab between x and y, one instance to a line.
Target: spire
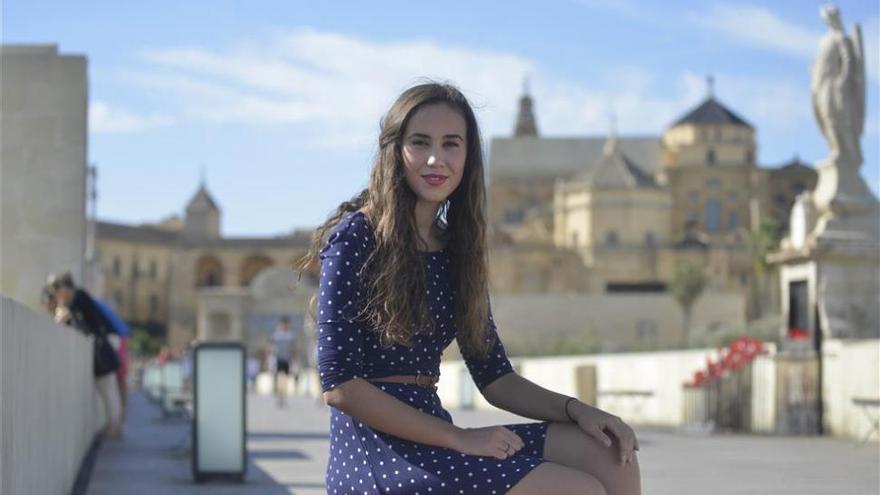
611	142
202	176
525	120
710	85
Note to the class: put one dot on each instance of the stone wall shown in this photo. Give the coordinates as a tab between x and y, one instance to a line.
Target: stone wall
49	410
43	121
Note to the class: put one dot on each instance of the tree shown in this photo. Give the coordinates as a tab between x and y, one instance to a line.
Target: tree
686	286
759	242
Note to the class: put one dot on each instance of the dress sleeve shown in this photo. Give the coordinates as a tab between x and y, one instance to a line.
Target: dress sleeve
486	370
340	337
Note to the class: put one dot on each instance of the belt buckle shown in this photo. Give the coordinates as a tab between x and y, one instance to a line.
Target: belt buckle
427	378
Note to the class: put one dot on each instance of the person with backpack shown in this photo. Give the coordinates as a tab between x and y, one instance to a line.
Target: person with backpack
75	307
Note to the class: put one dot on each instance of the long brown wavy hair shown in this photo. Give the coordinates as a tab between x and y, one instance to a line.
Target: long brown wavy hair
393	276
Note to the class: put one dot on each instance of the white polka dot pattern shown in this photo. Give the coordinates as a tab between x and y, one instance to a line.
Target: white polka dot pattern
367	461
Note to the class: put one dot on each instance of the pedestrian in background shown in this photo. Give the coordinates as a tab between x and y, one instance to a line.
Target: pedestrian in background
282	348
76	307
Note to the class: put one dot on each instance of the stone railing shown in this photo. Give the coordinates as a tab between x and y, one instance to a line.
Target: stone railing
48	403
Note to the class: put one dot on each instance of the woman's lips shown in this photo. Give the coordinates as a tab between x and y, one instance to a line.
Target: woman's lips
434	180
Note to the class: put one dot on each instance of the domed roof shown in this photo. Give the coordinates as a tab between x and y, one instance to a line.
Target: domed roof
711	111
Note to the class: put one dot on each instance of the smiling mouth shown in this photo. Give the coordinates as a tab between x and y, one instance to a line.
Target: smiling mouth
434	180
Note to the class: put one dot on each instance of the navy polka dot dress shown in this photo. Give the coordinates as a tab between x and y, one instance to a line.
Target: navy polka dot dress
367	461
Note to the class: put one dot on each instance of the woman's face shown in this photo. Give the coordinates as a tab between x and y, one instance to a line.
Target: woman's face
434	151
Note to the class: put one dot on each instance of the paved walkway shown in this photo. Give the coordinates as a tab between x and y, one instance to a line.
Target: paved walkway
288	447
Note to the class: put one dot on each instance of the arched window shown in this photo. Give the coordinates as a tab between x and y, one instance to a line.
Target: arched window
712	221
209	272
251	266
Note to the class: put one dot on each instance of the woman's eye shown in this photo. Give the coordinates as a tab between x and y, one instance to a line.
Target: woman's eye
452	144
419	143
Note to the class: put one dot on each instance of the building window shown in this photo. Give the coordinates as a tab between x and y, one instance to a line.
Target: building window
692	216
514	215
650	241
153	269
710	157
732	196
209	272
732	221
712	221
694	196
574	239
750	156
134	269
117	266
714	183
154	307
117	297
797	188
611	238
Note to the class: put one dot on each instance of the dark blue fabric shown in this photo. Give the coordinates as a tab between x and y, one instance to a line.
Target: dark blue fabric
117	326
363	460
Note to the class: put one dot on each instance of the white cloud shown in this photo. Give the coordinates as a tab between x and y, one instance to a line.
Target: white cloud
760	27
640	107
104	119
336	87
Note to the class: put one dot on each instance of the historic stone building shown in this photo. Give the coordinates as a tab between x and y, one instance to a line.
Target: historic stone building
604	216
155	274
632	208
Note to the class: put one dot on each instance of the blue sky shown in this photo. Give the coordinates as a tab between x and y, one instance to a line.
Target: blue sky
280	101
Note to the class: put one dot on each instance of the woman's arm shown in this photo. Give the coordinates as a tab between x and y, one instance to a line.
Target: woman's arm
367	403
515	394
362	400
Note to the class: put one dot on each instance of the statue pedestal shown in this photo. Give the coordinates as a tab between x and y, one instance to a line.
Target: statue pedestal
830	264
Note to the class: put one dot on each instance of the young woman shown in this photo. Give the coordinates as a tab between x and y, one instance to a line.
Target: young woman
403	272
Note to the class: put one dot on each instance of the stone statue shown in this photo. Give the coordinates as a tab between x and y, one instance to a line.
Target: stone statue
838	93
838	87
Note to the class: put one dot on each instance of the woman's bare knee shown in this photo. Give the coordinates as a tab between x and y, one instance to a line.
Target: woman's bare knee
555	479
567	445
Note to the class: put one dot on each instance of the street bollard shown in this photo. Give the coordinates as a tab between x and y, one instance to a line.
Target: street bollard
219	414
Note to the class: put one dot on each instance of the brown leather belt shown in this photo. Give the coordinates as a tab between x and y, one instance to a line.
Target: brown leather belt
426	381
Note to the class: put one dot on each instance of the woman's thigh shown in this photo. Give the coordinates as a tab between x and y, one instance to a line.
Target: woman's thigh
551	478
568	445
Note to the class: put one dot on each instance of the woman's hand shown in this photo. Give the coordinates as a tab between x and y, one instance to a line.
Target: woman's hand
62	314
491	441
596	422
